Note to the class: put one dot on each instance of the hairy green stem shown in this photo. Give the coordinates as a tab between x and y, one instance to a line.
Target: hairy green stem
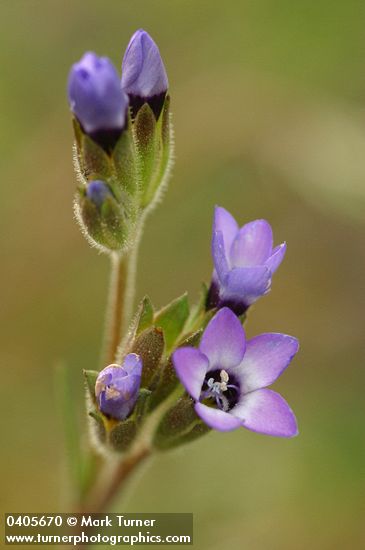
113	479
114	311
120	300
130	288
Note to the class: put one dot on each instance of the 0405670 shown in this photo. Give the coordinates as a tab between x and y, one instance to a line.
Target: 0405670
33	521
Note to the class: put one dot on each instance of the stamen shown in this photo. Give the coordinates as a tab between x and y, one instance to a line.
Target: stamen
216	389
222	402
224	376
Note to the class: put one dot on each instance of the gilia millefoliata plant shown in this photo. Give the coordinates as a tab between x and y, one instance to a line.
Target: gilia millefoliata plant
167	376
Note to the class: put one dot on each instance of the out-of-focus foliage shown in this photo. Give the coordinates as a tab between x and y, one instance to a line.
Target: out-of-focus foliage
268	100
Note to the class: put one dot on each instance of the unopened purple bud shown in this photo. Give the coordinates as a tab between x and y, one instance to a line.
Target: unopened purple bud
117	387
144	77
97	191
95	95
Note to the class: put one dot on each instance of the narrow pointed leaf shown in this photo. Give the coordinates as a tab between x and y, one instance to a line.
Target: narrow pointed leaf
98	426
171	319
179	425
90	381
144	315
124	161
149	345
168	380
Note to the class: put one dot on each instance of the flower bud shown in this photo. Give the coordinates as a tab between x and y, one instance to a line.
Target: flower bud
144	77
117	387
97	191
145	81
108	221
179	425
97	100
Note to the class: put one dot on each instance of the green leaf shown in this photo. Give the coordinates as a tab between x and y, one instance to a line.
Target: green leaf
141	405
145	126
148	148
154	149
165	153
144	315
179	425
165	444
124	158
111	224
171	319
93	160
122	435
198	311
166	123
98	426
149	345
90	381
168	380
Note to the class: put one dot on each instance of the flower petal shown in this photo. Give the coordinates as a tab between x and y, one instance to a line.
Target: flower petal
95	95
252	245
226	224
217	419
132	364
266	357
143	71
276	257
266	412
190	366
219	255
249	282
224	340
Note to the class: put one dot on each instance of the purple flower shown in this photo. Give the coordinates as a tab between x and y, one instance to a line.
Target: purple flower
97	191
96	97
227	377
144	76
244	261
117	387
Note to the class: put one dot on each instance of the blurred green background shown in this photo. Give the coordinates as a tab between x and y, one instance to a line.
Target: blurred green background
269	110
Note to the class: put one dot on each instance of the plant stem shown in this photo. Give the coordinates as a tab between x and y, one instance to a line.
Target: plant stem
120	299
113	480
113	321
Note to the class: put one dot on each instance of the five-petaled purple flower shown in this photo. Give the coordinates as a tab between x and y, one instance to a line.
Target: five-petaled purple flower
228	377
244	261
96	97
117	387
144	77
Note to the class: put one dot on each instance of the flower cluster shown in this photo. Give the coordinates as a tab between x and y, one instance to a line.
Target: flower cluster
193	368
98	97
123	146
226	376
